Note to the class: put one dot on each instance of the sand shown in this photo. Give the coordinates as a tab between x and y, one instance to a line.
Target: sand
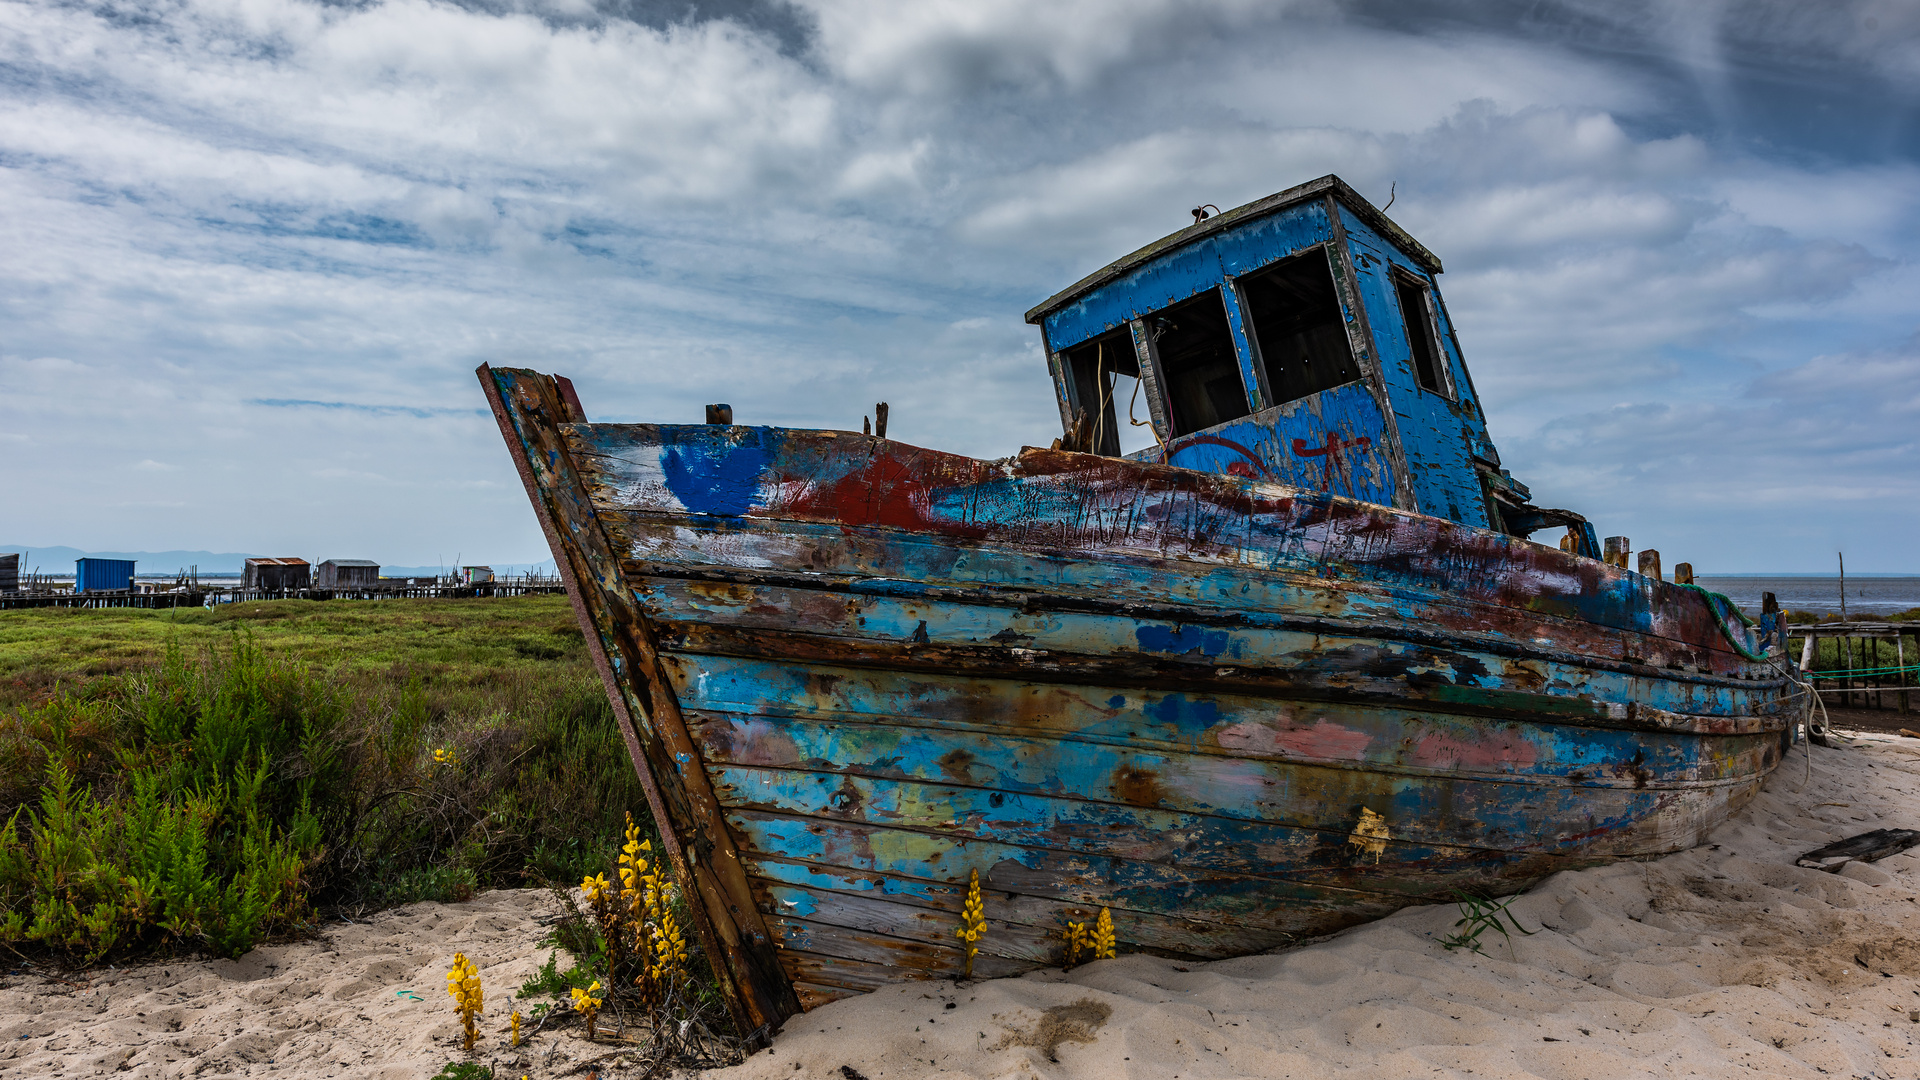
1726	960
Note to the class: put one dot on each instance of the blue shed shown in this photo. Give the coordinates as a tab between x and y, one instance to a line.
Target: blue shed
1300	339
102	575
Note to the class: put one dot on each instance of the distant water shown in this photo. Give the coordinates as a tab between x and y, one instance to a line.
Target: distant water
1865	595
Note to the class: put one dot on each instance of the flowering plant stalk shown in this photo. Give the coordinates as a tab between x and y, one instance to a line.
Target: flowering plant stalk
463	982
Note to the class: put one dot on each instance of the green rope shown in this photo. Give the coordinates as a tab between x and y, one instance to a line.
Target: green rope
1845	673
1721	607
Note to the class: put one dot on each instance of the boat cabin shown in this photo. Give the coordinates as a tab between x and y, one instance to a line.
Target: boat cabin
1300	339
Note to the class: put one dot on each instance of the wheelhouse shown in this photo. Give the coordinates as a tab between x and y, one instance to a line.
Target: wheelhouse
1300	339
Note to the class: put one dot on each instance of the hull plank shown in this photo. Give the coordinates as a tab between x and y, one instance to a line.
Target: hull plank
1250	762
700	619
1230	712
1270	902
1018	926
752	551
1113	512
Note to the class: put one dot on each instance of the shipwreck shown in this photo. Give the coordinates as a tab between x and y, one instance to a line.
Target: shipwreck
1292	661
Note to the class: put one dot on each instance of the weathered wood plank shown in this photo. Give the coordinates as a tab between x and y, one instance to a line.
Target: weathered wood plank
1254	731
1182	909
853	976
530	410
754	551
1138	671
1018	926
1243	788
901	954
813	996
1288	899
1485	827
1050	500
697	617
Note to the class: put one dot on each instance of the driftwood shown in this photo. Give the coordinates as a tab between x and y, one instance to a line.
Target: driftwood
1867	847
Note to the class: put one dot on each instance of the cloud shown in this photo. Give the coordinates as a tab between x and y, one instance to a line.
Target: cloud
374	410
267	241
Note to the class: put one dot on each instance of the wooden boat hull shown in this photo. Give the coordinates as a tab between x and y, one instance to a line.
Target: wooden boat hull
853	672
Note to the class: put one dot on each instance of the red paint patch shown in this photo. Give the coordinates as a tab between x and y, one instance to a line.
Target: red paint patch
1325	740
1499	749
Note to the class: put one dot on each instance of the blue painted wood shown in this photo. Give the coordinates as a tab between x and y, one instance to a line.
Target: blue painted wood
1116	513
1366	666
1334	441
1436	434
1187	272
1436	437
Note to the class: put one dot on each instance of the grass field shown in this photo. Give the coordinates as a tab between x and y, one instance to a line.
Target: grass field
452	642
385	751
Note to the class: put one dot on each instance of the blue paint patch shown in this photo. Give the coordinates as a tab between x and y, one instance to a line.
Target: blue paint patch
1117	701
720	478
1181	640
1190	717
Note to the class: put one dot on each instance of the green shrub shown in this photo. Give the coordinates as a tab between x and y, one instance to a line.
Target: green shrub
198	842
214	799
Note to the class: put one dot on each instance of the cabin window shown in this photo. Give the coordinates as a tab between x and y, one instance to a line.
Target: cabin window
1106	383
1198	363
1417	314
1298	327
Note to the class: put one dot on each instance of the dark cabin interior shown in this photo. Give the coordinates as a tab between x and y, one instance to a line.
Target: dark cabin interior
1298	326
1197	358
1094	365
1418	320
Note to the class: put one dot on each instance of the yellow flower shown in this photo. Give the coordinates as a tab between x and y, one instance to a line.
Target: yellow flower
973	923
463	983
587	1005
595	887
447	756
1103	936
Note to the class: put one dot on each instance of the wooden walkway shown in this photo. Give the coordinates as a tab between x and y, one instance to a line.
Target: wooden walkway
1871	664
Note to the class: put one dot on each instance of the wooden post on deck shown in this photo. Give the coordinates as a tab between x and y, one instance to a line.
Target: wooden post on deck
1683	573
1615	551
880	420
1650	564
720	414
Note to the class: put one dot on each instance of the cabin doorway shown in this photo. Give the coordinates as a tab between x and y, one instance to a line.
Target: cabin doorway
1298	327
1106	383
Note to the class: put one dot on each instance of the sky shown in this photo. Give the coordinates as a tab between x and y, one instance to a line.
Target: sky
254	249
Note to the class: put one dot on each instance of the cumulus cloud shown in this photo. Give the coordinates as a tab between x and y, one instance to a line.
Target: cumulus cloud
265	242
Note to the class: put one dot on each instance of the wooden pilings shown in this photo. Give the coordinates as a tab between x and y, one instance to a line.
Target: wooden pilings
1866	677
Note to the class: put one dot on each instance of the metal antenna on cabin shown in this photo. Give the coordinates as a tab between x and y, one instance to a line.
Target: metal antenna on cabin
1200	212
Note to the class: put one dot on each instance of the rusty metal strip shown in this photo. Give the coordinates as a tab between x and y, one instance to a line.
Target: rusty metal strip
693	831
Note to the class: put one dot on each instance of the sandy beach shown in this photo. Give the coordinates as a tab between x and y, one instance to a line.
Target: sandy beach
1726	960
